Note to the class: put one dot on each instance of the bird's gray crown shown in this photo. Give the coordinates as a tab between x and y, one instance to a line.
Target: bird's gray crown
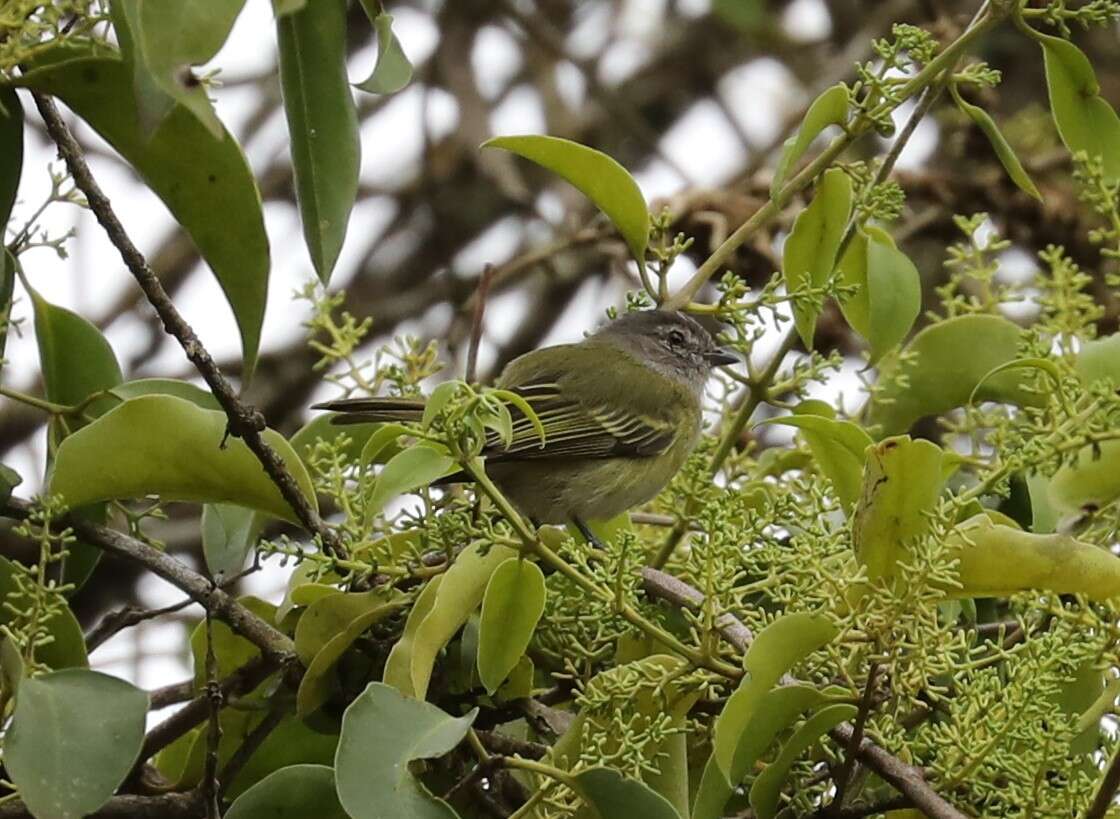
669	342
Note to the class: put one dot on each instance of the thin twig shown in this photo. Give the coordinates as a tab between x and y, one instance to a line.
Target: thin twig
1106	793
244	421
171	694
126	617
849	765
248	747
215	699
476	321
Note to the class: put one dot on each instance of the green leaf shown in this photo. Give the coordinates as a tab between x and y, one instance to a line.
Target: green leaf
890	290
205	183
767	786
406	472
614	796
76	360
9	480
809	254
294	792
1085	120
282	7
1003	149
162	445
67	646
228	535
7	286
780	707
998	561
460	593
158	386
1099	359
511	608
439	399
943	365
162	39
830	108
231	650
775	650
316	686
392	71
74	737
598	176
11	158
12	668
838	449
382	732
330	615
902	480
323	125
398	666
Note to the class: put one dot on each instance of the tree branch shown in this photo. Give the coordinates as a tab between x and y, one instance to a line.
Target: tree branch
162	806
245	421
1106	793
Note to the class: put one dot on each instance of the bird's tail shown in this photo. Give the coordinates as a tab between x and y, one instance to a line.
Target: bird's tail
365	410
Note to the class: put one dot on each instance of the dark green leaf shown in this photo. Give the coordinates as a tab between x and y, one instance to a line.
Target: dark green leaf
7	286
74	737
830	108
613	796
944	364
207	184
511	607
598	176
767	786
228	535
774	651
392	71
11	158
282	7
1003	149
163	445
9	480
382	732
322	123
294	792
809	254
67	646
901	483
1085	120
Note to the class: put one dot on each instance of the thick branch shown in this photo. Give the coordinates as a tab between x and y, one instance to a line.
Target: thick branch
163	806
271	641
245	421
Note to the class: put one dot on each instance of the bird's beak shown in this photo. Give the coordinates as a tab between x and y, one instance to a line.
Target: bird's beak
721	356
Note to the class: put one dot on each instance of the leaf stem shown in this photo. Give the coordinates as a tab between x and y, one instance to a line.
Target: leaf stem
37	403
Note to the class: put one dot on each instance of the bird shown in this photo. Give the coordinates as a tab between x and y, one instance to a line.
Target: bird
621	411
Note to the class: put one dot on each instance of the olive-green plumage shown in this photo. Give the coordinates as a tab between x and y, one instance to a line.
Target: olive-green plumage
621	412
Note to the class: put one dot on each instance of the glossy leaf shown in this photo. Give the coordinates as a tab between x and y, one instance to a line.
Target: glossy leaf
809	254
316	686
11	157
228	535
511	608
162	445
460	593
74	737
779	709
1085	120
406	472
294	792
322	124
598	176
944	364
162	39
889	295
768	785
393	71
1006	154
902	479
774	651
614	796
205	183
67	646
997	561
838	449
382	732
830	108
7	286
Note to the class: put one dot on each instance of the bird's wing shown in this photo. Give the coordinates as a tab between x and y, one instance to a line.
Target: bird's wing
574	429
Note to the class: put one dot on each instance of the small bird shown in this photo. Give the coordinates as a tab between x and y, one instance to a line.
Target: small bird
621	412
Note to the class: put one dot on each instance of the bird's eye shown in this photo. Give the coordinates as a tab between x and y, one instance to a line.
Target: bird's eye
676	338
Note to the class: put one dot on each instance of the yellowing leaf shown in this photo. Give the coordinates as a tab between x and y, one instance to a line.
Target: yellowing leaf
600	178
901	483
162	445
809	254
838	448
